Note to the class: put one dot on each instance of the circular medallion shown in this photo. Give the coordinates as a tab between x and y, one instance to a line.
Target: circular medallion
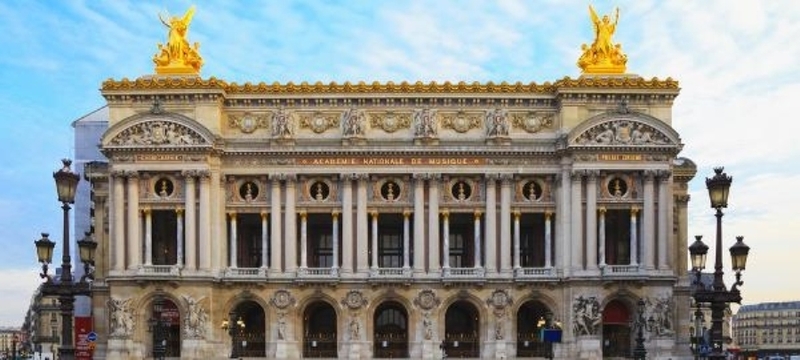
427	299
461	123
354	300
282	299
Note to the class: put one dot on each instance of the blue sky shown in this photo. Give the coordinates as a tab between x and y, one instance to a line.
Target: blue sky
737	63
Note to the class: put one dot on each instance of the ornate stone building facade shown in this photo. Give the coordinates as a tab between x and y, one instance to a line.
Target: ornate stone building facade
768	329
385	220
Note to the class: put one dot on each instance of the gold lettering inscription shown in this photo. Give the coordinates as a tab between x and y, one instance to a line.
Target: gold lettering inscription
160	157
620	157
399	161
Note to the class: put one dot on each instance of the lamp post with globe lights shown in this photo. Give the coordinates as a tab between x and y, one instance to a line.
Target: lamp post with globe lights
65	288
718	296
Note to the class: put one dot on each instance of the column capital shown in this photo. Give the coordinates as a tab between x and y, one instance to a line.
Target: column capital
648	175
145	211
231	214
601	210
117	173
189	174
664	175
406	213
204	175
131	174
548	214
506	179
517	213
290	178
335	214
179	211
682	199
445	213
264	214
491	177
592	175
420	176
434	176
634	210
276	177
303	214
477	213
577	175
373	213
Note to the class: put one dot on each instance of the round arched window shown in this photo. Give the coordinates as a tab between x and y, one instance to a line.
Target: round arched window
320	191
461	190
248	190
164	187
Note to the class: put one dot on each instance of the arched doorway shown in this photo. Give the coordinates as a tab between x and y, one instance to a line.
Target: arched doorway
461	330
165	328
616	330
530	321
319	335
252	341
390	324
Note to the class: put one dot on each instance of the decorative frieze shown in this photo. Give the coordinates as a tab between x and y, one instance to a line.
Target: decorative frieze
248	122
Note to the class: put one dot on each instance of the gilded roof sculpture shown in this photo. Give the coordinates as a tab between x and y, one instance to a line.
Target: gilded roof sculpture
178	57
603	56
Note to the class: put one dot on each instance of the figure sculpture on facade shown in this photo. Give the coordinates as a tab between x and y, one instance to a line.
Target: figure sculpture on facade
281	326
427	324
282	126
178	56
196	317
496	123
603	56
587	315
121	317
353	121
355	329
425	123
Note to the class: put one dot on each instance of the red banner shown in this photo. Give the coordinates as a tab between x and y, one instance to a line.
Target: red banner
83	346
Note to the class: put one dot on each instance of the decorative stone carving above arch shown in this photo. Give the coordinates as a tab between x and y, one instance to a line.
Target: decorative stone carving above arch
163	129
624	129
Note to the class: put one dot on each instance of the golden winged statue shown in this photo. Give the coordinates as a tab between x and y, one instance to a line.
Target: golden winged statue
603	56
178	57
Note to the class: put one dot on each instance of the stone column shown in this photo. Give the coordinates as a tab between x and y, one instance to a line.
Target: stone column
445	239
374	215
347	223
335	232
232	253
563	244
682	263
477	215
406	239
179	236
134	224
577	222
190	220
303	239
648	215
419	223
433	223
517	215
634	238
148	236
290	229
118	223
548	238
505	223
663	223
264	238
591	220
491	224
362	221
276	252
602	233
204	228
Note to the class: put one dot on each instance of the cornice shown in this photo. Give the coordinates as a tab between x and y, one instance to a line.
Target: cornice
582	83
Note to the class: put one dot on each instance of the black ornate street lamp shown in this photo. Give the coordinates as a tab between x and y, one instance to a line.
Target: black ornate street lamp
639	352
158	327
65	287
234	327
718	296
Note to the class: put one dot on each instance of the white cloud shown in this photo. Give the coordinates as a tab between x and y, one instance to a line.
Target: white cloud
19	286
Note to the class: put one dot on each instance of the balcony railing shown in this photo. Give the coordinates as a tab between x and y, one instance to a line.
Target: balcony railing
530	273
621	270
159	270
467	273
246	273
390	273
318	274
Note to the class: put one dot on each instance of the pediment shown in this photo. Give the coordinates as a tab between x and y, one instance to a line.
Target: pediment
624	130
157	130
